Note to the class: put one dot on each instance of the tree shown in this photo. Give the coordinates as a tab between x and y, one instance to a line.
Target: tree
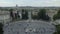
18	15
58	12
11	14
57	16
57	29
42	15
1	28
24	14
34	17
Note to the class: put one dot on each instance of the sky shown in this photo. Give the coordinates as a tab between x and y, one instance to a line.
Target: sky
36	3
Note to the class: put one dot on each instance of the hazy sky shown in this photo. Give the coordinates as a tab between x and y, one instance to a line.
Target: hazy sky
5	3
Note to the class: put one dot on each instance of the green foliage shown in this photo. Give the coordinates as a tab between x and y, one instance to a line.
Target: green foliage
58	12
1	28
58	29
34	17
42	15
24	14
11	10
11	14
56	16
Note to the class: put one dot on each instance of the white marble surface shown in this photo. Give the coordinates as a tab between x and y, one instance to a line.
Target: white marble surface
35	27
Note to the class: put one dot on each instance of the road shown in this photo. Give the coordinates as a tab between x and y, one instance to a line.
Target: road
26	27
